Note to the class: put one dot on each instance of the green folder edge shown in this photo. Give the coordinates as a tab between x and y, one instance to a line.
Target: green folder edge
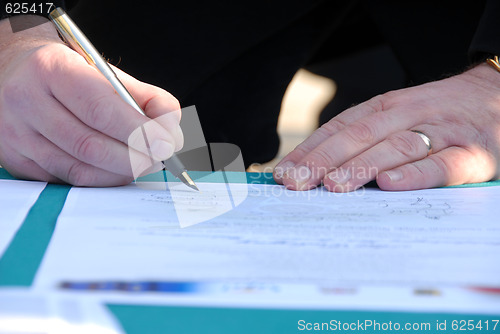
18	267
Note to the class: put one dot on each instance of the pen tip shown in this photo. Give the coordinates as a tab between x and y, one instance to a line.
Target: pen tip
186	179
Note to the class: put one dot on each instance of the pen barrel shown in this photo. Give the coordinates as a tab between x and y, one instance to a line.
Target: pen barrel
75	39
174	166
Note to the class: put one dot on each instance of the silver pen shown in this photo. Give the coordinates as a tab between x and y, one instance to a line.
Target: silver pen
78	42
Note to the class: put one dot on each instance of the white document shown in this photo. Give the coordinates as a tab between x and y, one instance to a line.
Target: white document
283	248
16	199
26	311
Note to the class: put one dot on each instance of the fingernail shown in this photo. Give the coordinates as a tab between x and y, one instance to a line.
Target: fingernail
179	138
340	176
300	174
394	175
161	149
282	168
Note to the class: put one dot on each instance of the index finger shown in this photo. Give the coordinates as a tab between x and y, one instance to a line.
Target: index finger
335	125
92	99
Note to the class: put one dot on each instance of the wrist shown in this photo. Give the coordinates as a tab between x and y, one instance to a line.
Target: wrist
485	75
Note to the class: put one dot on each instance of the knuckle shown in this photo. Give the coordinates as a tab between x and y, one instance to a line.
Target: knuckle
393	98
386	97
364	162
299	152
38	60
424	173
377	103
321	157
98	113
404	145
79	175
416	175
301	149
438	165
90	148
333	126
47	62
362	132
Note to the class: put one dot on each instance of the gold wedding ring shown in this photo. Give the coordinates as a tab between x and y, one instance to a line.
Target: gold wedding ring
426	140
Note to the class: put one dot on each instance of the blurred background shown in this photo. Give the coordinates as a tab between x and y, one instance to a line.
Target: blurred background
306	96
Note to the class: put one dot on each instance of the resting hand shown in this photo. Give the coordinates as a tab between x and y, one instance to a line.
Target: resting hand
373	140
61	120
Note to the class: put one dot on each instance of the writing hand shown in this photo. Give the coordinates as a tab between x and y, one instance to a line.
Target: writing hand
61	120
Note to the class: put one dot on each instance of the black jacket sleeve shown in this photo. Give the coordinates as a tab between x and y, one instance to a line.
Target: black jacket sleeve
486	39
